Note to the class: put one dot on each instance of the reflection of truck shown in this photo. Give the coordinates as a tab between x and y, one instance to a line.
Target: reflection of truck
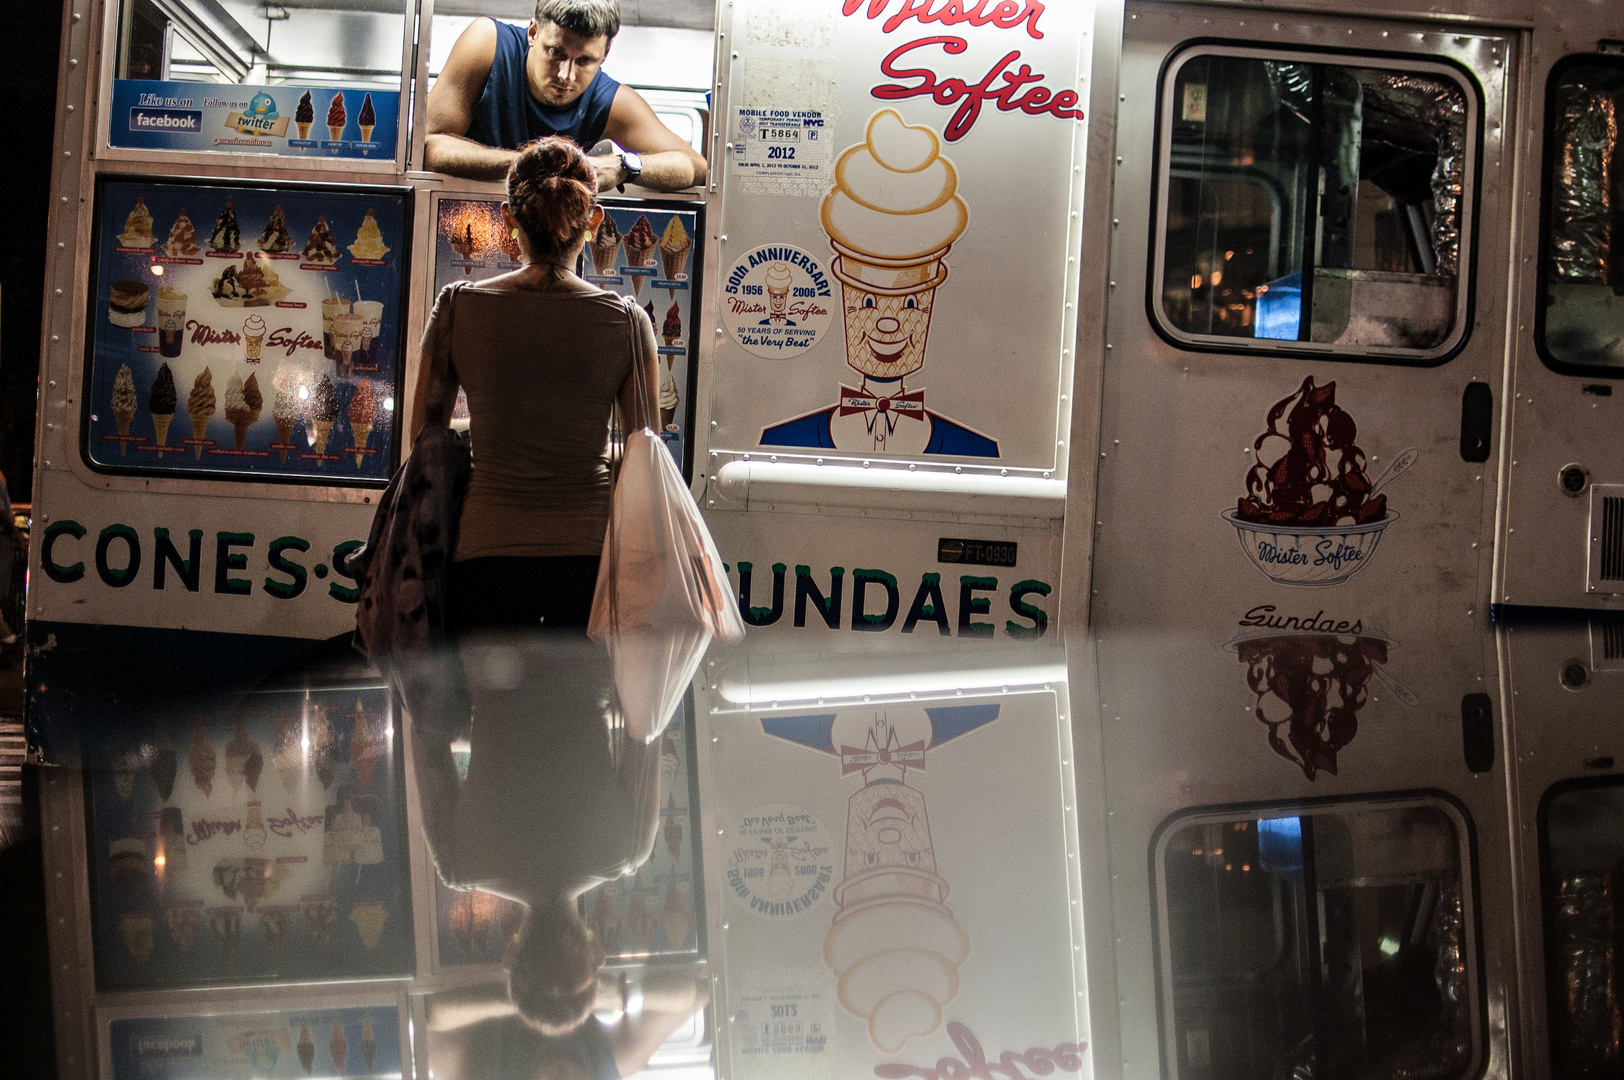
1333	286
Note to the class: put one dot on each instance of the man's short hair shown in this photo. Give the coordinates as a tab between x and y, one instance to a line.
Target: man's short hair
587	18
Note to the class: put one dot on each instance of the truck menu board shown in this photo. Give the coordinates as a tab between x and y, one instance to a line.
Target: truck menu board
642	249
249	331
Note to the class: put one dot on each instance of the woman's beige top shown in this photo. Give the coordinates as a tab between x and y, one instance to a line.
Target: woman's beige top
541	370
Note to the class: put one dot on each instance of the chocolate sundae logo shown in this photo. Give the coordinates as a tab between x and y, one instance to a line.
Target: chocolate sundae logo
1311	516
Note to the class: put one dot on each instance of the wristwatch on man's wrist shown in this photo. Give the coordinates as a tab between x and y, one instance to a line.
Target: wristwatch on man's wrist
632	166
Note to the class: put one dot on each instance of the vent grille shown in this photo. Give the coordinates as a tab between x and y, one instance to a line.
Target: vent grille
1610	556
1607	641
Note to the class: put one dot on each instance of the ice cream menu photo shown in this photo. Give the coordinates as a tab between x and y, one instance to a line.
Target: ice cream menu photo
260	844
242	330
642	250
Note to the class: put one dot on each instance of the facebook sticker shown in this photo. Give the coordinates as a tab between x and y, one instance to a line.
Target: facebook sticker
187	120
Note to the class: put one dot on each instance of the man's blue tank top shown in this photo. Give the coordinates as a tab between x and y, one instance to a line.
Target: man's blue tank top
508	116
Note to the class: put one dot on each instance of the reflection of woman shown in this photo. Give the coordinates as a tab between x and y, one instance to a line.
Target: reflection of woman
544	357
557	800
468	1042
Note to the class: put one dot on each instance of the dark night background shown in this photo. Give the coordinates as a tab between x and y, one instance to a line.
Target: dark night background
28	70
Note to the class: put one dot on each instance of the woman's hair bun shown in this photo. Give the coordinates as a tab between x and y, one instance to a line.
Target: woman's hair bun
551	190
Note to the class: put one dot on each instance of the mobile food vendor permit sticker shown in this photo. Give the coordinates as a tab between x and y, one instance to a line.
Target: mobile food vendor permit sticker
777	301
781	143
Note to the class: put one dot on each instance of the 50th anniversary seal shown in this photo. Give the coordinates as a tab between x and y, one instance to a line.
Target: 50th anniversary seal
777	301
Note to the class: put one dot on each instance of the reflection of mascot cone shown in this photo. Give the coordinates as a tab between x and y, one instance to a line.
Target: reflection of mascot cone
873	288
895	946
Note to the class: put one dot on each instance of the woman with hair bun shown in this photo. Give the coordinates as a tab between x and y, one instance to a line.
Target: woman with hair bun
544	358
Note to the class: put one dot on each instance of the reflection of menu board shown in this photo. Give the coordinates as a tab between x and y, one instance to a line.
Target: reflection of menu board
249	331
273	1045
659	911
265	845
642	250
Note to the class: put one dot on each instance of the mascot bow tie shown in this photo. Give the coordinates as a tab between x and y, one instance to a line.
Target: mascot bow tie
874	406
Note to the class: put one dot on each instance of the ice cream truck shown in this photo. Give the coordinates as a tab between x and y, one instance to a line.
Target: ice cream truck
1109	416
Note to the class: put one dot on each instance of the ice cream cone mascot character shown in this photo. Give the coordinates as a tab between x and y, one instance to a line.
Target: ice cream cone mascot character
892	216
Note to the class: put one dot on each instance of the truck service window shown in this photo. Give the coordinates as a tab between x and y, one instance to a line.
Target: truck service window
311	81
1332	943
1271	164
1582	850
1581	306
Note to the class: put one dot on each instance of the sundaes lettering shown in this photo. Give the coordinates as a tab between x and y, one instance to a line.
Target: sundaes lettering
1264	616
1065	1056
1004	14
1017	91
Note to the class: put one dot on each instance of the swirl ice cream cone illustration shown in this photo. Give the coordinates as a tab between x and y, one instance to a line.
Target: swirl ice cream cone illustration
123	404
892	217
604	247
199	407
675	243
243	405
303	116
161	401
366	120
286	409
336	118
323	411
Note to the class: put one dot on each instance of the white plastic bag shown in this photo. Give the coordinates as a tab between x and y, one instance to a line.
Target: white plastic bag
662	592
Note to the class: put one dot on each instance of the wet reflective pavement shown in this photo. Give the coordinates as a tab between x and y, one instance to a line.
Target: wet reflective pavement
1282	851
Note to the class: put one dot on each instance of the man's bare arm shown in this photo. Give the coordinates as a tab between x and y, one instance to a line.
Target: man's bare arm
669	164
451	109
461	156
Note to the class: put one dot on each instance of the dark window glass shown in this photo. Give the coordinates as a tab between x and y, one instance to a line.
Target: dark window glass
1359	173
1582	304
1583	831
1331	944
